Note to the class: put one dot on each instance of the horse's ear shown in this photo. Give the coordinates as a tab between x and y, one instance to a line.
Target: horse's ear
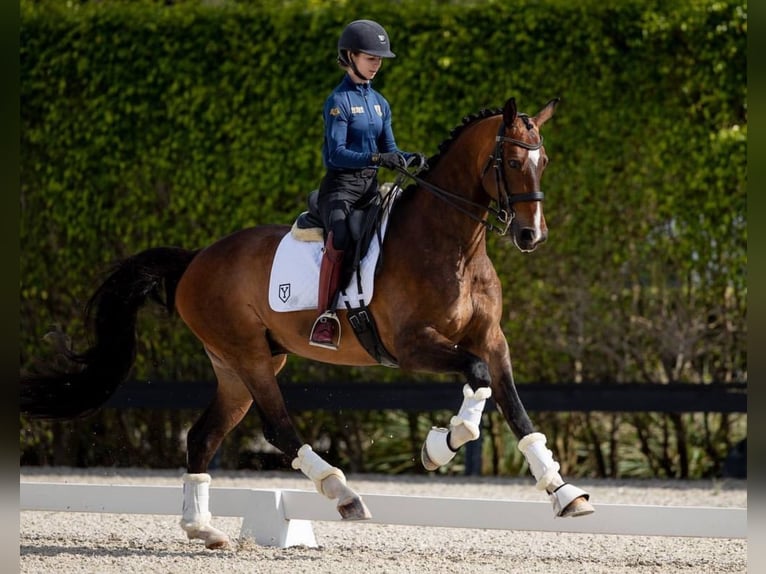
509	112
546	113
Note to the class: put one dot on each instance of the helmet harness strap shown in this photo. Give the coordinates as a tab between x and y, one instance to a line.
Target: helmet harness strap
352	64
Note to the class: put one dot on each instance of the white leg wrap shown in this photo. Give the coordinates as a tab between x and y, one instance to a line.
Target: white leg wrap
541	463
546	471
196	501
314	467
471	410
441	444
196	516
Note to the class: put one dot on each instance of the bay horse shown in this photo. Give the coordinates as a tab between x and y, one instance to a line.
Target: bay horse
437	308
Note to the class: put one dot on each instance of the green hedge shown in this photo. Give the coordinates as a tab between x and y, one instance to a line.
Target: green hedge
145	124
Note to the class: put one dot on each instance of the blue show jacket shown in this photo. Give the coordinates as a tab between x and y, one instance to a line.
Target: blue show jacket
357	123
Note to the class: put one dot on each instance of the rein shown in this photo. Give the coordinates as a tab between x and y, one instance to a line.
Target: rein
504	212
452	198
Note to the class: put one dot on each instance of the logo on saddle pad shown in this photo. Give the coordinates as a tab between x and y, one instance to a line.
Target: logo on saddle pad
284	292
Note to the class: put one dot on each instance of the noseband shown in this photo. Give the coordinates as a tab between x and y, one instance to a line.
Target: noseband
504	213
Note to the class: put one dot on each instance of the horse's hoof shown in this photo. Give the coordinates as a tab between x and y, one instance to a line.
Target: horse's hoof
354	509
428	464
578	507
213	538
217	544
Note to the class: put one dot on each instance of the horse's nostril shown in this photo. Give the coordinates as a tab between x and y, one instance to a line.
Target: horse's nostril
527	235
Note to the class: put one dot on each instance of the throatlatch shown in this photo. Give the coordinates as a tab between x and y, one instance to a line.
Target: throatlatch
441	444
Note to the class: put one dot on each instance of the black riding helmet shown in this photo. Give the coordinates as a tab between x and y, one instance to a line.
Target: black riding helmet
364	36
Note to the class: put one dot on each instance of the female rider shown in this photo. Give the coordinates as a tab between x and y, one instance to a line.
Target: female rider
358	139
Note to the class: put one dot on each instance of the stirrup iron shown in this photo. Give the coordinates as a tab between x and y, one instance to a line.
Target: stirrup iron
326	316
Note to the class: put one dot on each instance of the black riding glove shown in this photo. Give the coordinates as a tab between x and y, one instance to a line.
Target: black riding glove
391	160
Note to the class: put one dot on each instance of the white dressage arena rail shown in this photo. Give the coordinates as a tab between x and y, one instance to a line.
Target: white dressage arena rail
282	517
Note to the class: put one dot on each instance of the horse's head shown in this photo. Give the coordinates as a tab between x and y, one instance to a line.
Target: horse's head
513	174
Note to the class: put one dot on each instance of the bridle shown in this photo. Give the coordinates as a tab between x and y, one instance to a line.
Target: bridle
504	212
505	199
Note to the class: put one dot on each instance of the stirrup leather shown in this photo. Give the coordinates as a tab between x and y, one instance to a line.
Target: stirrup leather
326	316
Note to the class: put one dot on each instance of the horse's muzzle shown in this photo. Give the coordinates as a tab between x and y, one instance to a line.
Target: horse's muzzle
527	238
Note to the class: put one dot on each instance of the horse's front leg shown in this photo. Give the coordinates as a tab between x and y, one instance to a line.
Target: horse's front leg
567	499
441	444
428	350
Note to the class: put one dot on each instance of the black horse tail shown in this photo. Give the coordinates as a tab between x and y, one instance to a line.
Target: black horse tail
112	309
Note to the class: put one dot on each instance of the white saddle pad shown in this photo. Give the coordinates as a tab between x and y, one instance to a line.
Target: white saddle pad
294	280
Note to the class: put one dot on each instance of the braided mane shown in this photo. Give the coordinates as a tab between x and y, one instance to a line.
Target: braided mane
455	132
453	135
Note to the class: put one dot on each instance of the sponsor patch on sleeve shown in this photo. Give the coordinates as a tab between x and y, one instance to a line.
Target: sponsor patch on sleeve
335	112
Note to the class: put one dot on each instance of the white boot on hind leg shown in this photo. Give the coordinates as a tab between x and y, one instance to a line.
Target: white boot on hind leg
441	444
567	499
331	482
196	516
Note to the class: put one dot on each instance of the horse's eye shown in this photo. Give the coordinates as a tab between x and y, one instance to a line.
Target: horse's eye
514	163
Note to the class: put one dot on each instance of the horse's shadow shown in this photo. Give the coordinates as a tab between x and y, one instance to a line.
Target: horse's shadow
52	551
196	550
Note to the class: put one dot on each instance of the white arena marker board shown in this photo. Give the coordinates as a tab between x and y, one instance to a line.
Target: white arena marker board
283	517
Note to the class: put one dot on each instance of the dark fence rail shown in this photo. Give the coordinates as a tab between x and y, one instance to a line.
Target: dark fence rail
431	396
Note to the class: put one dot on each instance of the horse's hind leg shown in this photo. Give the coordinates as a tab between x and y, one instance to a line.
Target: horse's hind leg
279	431
331	482
231	403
